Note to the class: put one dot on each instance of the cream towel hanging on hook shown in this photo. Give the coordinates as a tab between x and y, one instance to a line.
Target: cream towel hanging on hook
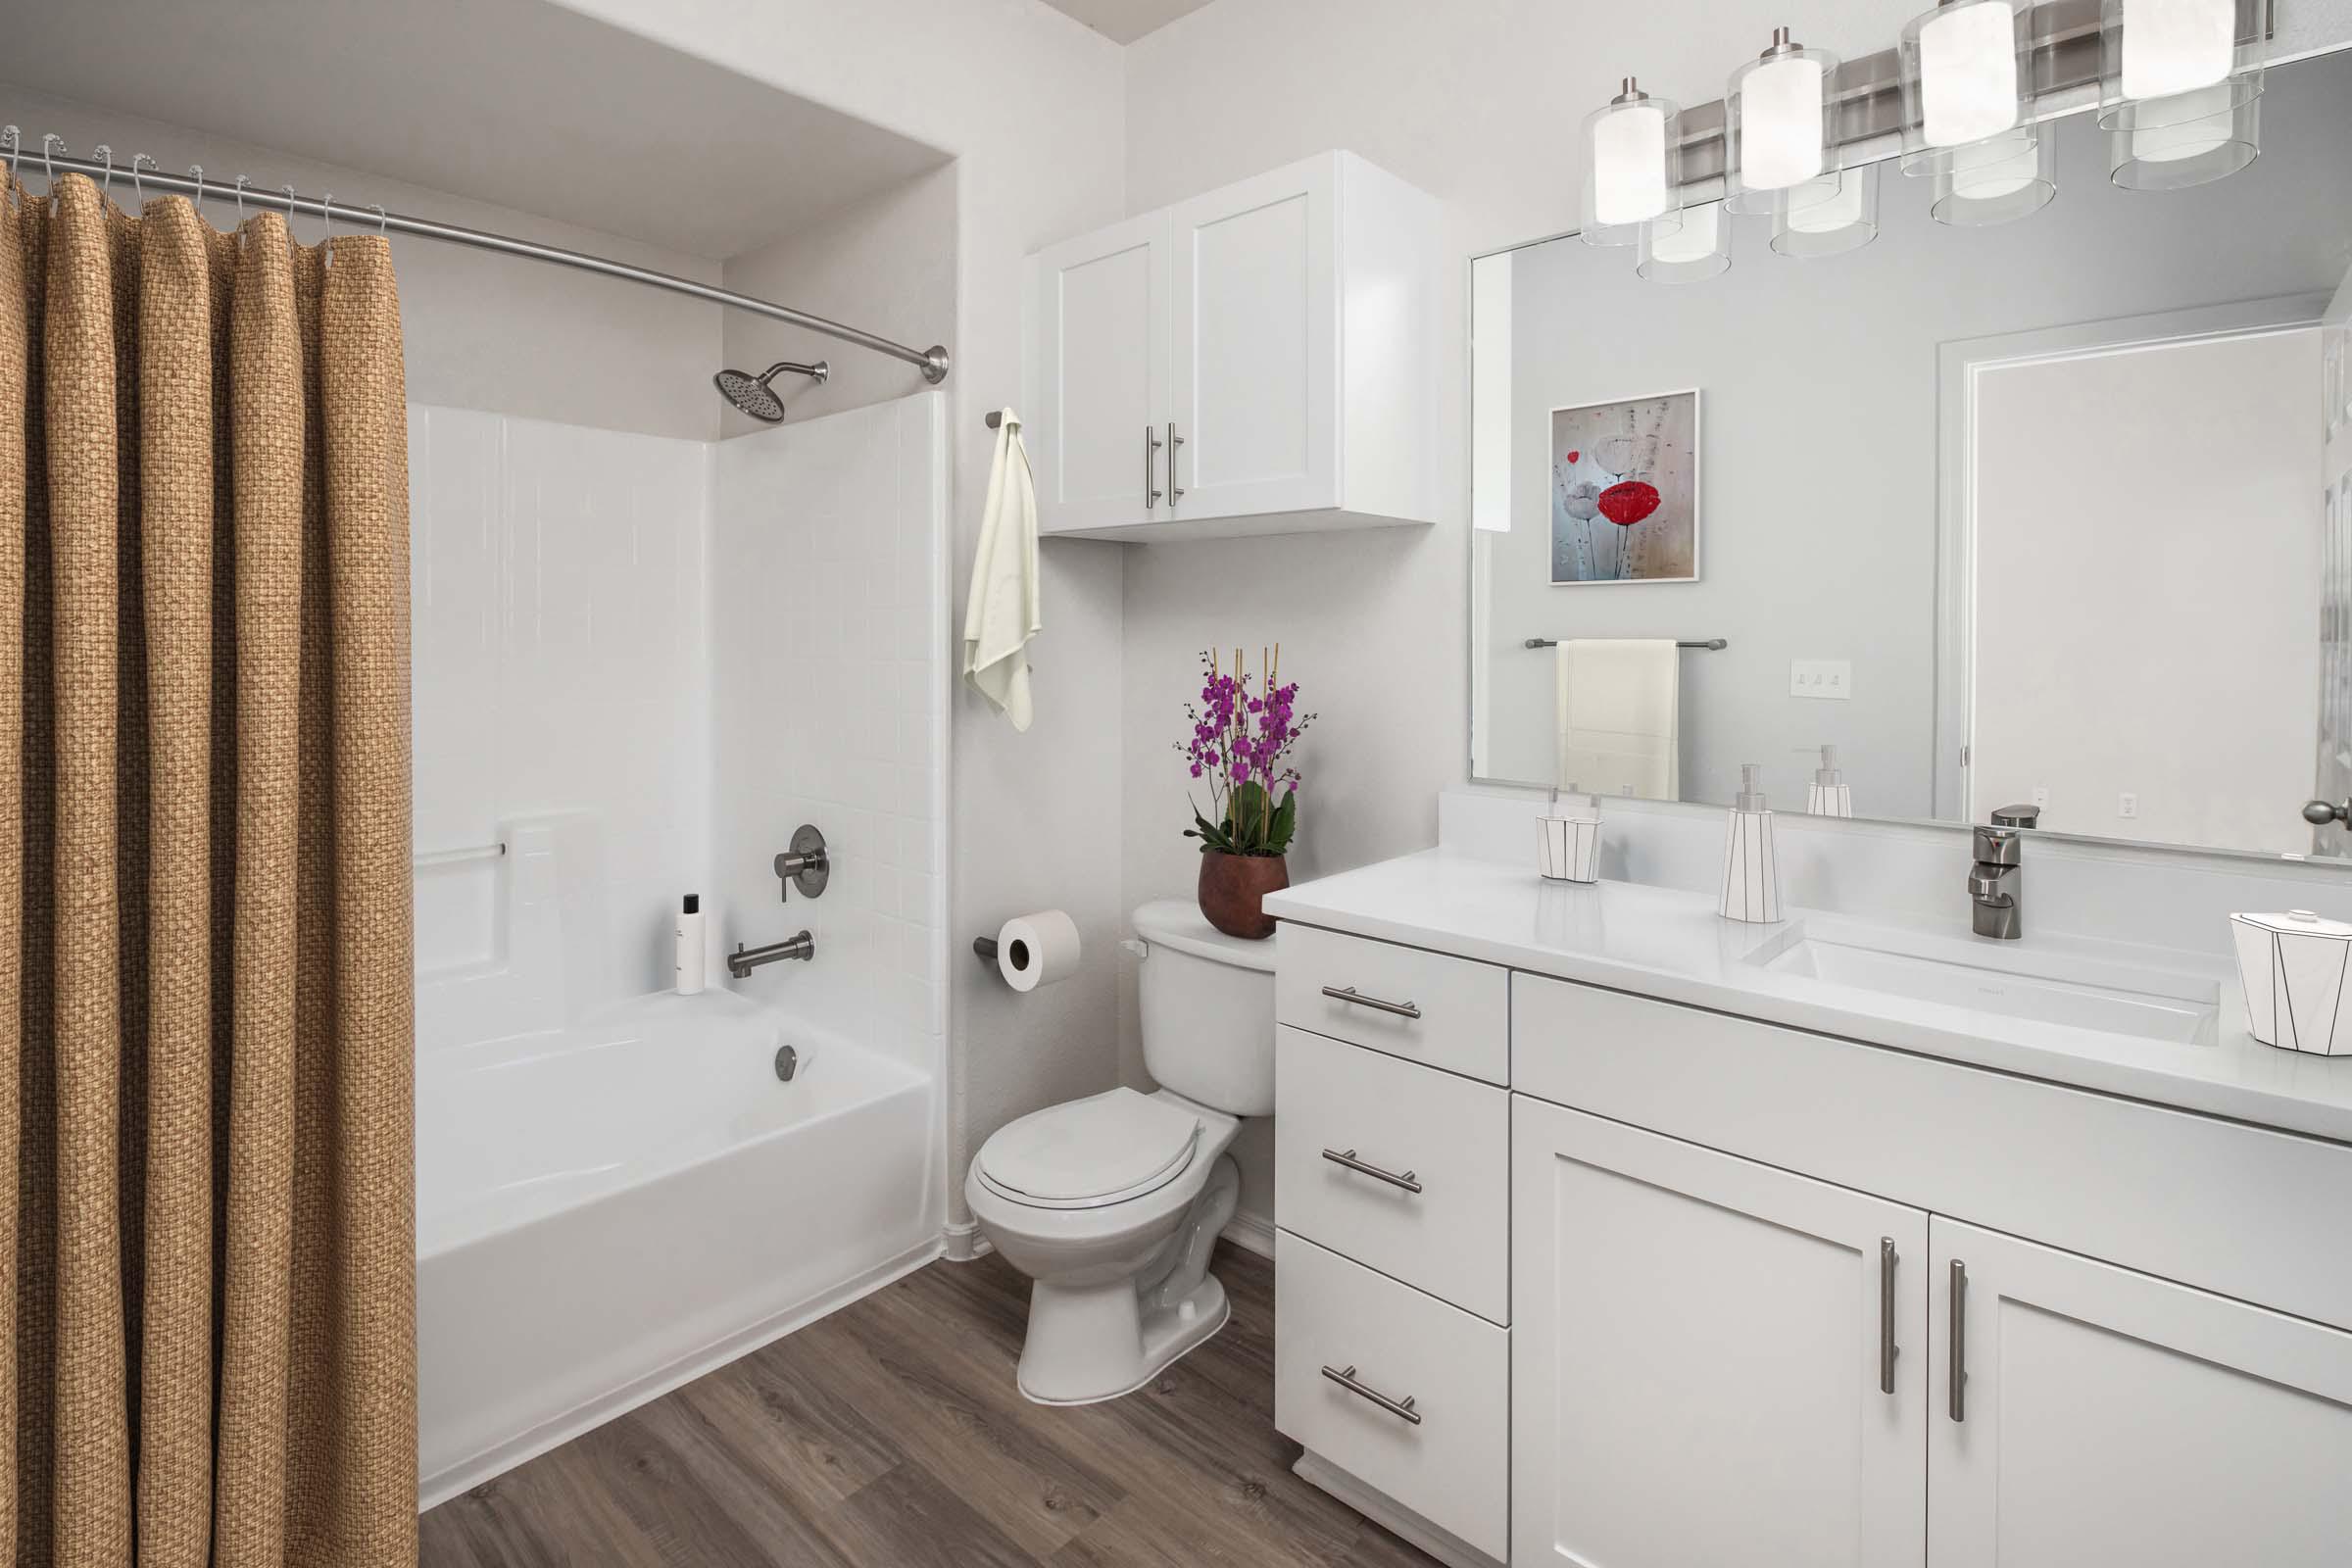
1001	614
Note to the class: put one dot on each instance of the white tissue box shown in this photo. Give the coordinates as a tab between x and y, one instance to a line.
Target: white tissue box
2292	967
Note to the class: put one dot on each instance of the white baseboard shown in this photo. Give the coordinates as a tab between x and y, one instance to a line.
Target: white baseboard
443	1485
1390	1515
965	1243
1251	1233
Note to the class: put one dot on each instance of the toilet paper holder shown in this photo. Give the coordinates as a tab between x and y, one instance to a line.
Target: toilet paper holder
986	947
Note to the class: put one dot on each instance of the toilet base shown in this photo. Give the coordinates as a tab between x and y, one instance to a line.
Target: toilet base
1088	1345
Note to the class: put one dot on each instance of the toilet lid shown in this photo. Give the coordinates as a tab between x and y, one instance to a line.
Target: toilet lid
1087	1152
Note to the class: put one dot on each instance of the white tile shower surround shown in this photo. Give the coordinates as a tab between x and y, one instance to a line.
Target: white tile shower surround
829	590
559	666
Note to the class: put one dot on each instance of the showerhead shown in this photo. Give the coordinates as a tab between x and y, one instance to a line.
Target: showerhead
755	397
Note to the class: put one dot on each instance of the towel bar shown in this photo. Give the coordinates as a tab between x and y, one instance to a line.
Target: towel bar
1714	645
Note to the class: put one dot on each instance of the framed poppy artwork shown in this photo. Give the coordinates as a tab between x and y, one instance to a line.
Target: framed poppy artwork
1625	491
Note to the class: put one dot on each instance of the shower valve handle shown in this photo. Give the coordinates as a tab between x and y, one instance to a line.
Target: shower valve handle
805	865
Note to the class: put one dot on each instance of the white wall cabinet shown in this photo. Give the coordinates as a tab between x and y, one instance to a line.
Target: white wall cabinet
1714	1362
2103	1416
1256	359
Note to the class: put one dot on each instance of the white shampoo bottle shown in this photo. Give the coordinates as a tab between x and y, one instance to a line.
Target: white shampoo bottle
1751	878
689	961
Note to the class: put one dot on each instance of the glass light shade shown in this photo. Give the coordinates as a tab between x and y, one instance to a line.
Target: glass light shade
2188	139
2157	50
1632	166
1780	124
1997	181
1844	219
1699	249
1967	75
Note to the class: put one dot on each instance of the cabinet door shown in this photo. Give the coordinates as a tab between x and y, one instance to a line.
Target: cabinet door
1255	334
1713	1361
1100	312
2107	1417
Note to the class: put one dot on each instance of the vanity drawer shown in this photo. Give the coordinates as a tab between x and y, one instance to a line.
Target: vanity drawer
1447	1457
1449	1231
1449	1012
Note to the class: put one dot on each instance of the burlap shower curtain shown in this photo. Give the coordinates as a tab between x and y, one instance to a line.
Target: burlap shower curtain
207	1010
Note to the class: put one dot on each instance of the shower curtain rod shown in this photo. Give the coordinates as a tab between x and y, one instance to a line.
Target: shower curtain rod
932	362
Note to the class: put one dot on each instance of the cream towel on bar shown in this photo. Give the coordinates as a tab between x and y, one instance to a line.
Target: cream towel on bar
1619	716
1001	614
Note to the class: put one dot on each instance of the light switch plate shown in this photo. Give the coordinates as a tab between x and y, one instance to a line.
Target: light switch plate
1831	679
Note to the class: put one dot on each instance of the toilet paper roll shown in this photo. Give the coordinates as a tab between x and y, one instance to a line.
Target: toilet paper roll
1037	948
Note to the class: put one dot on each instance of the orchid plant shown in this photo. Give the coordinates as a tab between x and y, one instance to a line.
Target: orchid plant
1244	728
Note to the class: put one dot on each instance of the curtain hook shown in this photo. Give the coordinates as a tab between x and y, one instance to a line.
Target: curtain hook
384	225
106	183
196	174
51	143
243	180
326	241
139	192
289	193
14	139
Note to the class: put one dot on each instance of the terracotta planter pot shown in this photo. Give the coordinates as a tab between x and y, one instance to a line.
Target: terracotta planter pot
1234	889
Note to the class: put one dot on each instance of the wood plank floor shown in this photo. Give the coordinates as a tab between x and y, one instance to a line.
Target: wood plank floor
890	1435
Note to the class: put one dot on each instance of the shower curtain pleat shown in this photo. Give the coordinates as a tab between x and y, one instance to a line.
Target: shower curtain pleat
204	753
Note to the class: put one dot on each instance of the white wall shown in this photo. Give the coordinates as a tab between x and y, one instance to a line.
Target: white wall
556	594
887	264
481	331
2147	600
828	658
1031	104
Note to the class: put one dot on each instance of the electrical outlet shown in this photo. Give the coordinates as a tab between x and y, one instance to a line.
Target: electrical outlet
2041	795
1831	679
2126	805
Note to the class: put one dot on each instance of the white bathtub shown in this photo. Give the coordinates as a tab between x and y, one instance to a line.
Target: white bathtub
606	1210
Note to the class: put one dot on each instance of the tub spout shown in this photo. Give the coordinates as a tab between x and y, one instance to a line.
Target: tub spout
743	961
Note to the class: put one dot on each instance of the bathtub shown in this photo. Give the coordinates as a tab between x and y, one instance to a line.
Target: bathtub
608	1209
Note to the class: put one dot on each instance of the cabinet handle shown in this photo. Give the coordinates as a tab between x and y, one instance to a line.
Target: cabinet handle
1402	1408
1887	1350
1346	1157
1151	456
1175	490
1403	1009
1959	1371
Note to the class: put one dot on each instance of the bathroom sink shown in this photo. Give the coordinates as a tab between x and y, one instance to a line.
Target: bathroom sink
2048	987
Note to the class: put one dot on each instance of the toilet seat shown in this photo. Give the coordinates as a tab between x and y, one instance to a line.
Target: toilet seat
1090	1154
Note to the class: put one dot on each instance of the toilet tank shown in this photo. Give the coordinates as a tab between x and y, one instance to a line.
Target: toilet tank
1207	1003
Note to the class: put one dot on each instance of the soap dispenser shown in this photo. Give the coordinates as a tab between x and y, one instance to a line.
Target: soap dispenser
1829	795
1751	878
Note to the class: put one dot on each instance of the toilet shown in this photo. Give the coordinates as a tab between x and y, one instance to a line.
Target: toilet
1111	1203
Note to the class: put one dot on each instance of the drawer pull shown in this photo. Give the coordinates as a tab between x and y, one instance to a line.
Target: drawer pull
1346	1157
1402	1408
1403	1009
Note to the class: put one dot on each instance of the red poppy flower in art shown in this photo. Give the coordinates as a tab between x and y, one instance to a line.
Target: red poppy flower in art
1628	502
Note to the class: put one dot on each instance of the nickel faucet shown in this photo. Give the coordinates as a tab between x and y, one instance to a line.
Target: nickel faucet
743	961
1996	883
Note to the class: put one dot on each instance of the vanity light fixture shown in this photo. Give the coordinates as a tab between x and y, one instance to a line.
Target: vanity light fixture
1843	215
2181	89
1633	177
1780	124
1997	181
1699	249
1966	70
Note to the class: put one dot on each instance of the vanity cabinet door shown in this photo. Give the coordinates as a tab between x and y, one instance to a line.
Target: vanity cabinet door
2108	1417
1099	308
1257	312
1713	1361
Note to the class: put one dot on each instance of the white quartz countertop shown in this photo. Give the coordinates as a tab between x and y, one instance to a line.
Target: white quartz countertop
1672	945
